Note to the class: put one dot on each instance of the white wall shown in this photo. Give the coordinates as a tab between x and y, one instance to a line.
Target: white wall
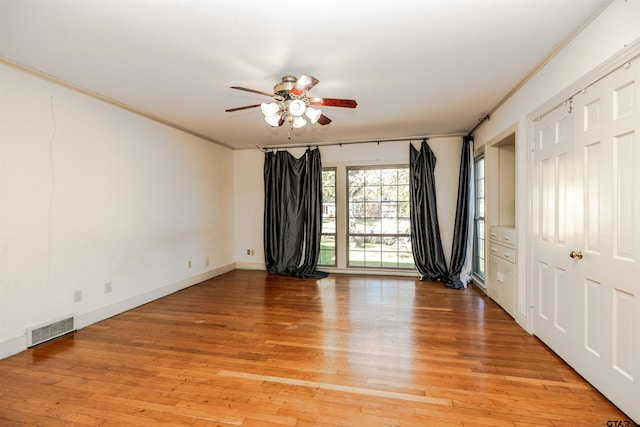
249	208
250	193
615	28
93	194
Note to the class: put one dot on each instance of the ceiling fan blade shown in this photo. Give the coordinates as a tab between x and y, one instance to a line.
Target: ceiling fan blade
304	84
270	95
333	102
242	108
324	120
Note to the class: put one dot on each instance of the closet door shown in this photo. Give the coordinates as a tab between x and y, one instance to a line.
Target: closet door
553	236
586	235
607	277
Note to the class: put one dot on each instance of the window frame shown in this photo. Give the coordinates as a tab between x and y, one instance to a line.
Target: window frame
348	234
335	232
479	242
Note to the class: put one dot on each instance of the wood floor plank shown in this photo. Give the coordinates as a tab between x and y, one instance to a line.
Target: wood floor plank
252	349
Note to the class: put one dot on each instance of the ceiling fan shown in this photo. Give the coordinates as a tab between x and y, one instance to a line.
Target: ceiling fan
291	103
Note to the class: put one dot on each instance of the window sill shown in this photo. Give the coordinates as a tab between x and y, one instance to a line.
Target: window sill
370	271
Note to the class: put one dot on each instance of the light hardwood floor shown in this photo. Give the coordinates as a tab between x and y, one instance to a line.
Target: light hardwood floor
252	349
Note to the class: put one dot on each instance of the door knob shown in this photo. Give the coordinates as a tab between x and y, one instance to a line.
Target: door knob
576	254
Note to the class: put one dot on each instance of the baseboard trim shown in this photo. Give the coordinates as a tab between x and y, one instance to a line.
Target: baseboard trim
250	266
86	319
13	346
17	345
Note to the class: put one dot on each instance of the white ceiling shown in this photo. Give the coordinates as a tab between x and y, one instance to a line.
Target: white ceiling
416	67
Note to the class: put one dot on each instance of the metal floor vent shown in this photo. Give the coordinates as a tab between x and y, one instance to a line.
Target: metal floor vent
52	330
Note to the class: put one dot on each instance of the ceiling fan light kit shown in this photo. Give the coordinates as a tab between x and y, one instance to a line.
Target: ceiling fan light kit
313	114
290	103
275	114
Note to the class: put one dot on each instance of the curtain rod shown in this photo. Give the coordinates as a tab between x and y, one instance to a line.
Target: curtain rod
365	141
482	120
568	100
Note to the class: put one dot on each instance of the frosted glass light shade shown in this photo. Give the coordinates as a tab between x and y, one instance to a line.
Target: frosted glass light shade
271	113
299	122
270	109
273	120
313	114
297	107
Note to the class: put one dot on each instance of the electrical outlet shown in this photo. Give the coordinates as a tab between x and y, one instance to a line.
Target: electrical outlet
107	287
189	263
253	252
77	296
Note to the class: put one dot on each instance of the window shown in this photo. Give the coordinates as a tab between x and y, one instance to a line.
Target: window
478	247
378	218
328	237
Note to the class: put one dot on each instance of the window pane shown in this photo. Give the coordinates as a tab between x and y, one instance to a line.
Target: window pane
372	193
478	246
372	258
328	193
356	251
480	208
403	177
356	177
372	176
480	187
372	209
403	193
389	192
356	225
403	209
404	226
328	225
327	255
379	228
327	250
356	193
356	210
389	226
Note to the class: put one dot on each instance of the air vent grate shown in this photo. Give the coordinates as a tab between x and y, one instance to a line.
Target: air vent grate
51	330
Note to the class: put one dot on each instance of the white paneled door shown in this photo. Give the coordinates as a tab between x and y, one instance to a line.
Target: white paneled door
586	257
553	234
608	275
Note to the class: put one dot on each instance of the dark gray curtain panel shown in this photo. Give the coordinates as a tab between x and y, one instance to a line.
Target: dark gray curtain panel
426	243
293	213
462	227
